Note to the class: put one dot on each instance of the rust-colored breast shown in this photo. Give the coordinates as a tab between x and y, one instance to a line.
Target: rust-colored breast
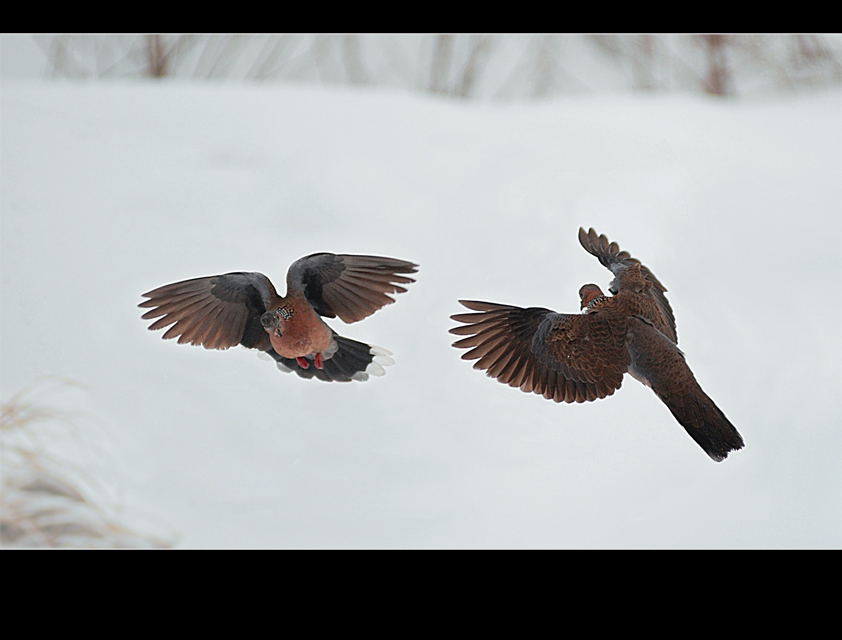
303	332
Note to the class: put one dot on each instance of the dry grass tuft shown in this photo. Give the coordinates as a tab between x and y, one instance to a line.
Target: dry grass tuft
49	496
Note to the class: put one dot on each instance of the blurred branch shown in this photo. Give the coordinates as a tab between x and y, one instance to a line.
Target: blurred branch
441	63
469	66
479	51
545	66
646	53
640	52
717	78
163	50
353	58
225	51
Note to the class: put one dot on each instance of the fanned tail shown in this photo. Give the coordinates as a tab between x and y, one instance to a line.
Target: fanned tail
352	361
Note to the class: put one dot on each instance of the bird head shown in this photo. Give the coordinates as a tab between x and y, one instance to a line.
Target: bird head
274	319
588	293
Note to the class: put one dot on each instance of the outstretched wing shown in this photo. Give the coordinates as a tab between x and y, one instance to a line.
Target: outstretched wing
348	286
216	312
565	358
659	364
622	265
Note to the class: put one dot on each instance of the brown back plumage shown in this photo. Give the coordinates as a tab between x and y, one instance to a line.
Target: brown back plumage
632	277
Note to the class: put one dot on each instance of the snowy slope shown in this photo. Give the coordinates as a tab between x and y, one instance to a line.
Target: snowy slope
110	190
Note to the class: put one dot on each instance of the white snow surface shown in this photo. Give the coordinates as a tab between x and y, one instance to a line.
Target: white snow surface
110	190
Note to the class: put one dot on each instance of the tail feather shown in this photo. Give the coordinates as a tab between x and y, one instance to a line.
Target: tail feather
705	423
352	361
658	363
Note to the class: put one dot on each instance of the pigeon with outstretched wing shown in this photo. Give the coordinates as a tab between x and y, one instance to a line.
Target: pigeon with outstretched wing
583	357
243	308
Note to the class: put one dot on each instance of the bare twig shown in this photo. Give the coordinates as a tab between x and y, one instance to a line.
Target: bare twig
441	63
480	48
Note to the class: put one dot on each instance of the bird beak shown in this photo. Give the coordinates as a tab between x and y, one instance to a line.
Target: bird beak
271	322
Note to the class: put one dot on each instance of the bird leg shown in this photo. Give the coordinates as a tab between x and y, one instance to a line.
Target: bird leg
303	363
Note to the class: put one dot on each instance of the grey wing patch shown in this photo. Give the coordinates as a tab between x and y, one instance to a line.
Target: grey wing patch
216	312
618	262
349	286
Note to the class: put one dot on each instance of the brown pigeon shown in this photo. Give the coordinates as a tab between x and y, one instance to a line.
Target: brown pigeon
583	357
223	311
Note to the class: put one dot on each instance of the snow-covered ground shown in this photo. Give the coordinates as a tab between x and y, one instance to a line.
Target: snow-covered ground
108	191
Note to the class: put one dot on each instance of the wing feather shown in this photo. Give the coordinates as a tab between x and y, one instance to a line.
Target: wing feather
349	286
565	358
655	307
215	311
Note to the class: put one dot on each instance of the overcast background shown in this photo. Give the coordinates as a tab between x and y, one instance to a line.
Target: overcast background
113	182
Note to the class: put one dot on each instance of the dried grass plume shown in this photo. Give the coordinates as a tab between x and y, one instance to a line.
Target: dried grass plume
51	490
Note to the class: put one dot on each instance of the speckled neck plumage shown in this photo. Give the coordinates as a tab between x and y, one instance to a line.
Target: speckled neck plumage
593	303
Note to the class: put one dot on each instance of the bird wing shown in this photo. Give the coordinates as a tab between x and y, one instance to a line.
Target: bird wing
565	358
216	312
660	364
351	287
625	270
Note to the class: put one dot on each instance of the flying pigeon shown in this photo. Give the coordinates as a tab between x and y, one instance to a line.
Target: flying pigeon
242	308
583	357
